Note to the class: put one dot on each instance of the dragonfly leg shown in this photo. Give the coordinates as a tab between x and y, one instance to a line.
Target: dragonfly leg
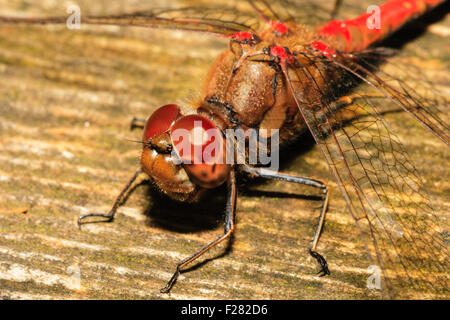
228	230
137	123
110	215
272	175
274	87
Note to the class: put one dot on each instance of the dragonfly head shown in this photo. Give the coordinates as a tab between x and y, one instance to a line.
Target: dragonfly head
183	154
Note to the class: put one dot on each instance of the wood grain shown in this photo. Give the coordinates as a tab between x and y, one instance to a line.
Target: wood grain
66	101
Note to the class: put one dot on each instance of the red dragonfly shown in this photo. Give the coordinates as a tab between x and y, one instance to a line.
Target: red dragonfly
277	74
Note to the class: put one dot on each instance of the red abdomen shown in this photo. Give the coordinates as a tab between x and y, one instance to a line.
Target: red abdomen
358	33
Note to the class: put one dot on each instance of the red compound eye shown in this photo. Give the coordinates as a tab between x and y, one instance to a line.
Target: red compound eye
160	121
202	149
191	135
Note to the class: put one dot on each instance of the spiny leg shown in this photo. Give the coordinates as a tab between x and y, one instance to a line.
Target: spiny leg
269	174
110	215
229	227
312	251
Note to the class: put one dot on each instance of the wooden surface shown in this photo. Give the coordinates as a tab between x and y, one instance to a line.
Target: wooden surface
66	101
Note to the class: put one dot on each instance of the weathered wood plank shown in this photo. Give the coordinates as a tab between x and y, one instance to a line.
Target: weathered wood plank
66	99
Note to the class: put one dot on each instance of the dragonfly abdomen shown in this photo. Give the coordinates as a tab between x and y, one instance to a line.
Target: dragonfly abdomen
358	33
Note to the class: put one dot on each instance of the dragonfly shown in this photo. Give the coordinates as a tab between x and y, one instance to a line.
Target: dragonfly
328	80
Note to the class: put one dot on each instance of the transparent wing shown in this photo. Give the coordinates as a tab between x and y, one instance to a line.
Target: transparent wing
300	11
224	21
309	12
408	89
202	16
380	184
215	20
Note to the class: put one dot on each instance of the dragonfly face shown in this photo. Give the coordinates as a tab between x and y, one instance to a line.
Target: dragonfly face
183	154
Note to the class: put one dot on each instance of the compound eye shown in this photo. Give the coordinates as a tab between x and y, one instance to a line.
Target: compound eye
202	150
161	120
192	135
